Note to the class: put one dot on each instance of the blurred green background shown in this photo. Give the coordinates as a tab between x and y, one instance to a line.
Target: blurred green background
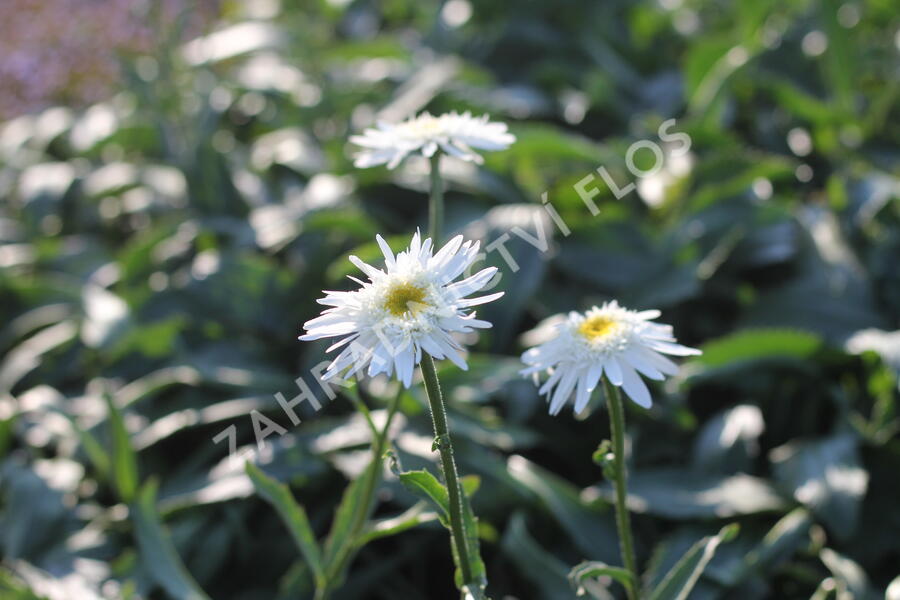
178	189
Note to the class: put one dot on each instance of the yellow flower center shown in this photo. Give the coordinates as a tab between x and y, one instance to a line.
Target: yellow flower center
426	125
596	327
404	297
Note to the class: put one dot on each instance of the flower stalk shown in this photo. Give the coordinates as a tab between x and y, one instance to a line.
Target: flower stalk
436	201
623	521
444	445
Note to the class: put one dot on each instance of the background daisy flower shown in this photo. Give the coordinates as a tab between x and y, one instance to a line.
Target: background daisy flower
456	134
622	344
410	307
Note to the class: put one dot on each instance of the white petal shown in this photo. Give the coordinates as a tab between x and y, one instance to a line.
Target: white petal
466	302
370	271
449	250
673	349
635	387
583	394
329	331
471	284
613	370
642	365
563	391
593	376
386	251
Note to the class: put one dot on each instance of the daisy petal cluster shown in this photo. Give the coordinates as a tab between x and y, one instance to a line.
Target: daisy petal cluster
576	351
456	134
411	306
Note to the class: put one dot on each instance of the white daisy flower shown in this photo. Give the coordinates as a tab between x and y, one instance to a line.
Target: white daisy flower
412	306
613	341
453	133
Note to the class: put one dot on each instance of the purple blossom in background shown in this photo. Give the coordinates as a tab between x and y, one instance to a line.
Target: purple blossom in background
66	51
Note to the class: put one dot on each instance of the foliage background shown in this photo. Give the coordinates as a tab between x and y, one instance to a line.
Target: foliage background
161	248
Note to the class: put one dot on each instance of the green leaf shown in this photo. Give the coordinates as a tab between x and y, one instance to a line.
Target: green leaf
779	544
851	578
827	476
541	568
347	515
425	485
470	484
756	344
840	58
124	459
470	524
594	533
33	513
834	300
98	455
293	515
800	103
683	494
11	588
157	550
593	569
415	515
679	582
728	442
710	68
6	434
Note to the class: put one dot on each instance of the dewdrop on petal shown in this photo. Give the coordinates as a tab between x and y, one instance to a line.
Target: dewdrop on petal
613	341
410	307
455	134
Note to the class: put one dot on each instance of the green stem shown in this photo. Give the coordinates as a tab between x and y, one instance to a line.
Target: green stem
436	202
448	465
623	522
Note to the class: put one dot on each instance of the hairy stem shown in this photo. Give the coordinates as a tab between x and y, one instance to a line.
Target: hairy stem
623	521
448	465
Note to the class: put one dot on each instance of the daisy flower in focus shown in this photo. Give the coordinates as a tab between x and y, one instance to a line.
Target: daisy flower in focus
456	134
411	306
613	341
